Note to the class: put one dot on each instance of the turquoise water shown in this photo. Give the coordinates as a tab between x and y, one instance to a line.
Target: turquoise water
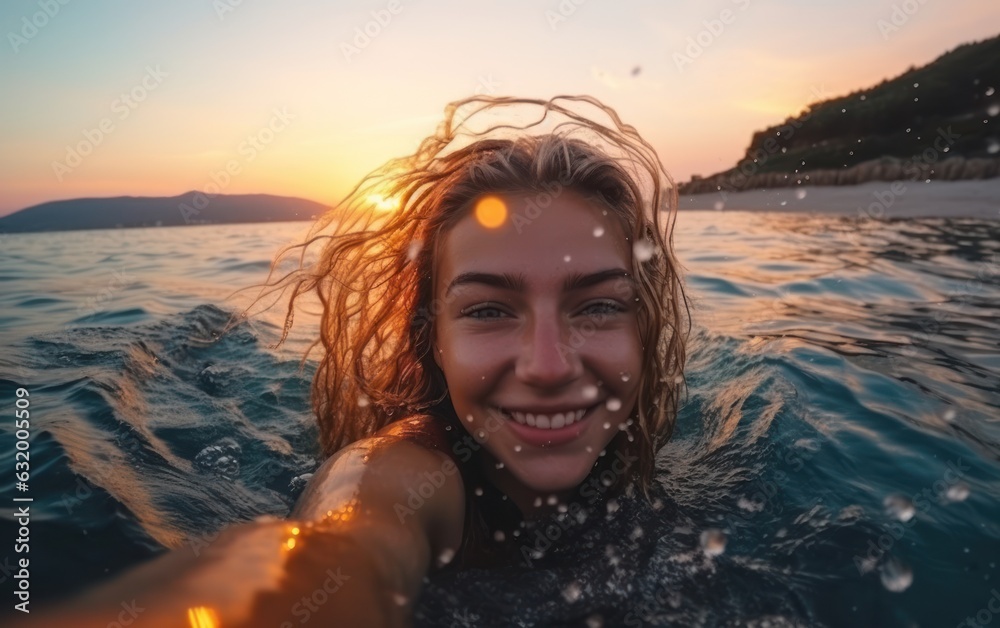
836	462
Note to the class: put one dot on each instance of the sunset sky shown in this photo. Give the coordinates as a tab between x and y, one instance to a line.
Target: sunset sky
168	93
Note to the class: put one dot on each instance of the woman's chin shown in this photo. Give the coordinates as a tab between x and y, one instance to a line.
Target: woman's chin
548	481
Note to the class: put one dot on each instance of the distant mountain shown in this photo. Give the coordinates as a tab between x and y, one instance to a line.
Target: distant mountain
940	121
191	208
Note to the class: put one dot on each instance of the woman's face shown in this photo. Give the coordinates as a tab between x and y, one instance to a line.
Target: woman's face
537	337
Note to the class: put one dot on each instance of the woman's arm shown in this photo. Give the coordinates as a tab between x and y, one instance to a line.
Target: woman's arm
373	521
404	504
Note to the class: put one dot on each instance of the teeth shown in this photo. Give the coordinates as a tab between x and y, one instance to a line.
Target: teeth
545	422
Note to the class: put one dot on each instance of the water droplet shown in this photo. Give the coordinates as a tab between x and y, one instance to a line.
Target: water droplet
590	392
537	502
595	621
589	449
622	427
899	507
572	592
413	250
499	465
843	111
643	250
400	599
993	147
499	536
470	418
713	542
567	258
626	376
607	425
612	506
637	533
989	91
895	575
446	556
916	84
481	434
957	492
363	401
612	553
517	448
657	504
221	458
598	232
551	500
719	206
613	404
781	533
478	491
993	110
800	194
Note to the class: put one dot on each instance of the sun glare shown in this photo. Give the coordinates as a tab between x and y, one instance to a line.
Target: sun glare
382	203
202	617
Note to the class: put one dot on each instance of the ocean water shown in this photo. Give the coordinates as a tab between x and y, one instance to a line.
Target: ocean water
836	460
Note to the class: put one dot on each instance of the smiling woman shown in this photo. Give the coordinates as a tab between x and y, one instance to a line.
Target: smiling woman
508	344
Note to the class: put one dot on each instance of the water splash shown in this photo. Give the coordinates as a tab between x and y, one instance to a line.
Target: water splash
222	458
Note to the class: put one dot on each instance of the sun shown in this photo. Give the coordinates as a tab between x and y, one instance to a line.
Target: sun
383	203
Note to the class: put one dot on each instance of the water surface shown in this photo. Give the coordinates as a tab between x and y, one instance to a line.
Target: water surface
835	461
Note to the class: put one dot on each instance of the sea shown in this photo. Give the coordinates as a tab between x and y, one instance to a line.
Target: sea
836	460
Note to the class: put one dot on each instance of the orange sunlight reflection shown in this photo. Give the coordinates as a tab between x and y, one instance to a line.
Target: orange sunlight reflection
343	514
202	617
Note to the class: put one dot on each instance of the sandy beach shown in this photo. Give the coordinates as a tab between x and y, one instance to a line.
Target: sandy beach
876	199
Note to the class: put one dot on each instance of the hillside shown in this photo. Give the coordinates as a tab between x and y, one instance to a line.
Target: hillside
191	208
937	121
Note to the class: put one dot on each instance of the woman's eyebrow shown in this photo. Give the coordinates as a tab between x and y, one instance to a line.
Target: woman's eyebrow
507	281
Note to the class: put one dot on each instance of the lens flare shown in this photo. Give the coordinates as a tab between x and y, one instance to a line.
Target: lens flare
491	212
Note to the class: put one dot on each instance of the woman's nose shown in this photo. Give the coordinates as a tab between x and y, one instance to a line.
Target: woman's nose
546	357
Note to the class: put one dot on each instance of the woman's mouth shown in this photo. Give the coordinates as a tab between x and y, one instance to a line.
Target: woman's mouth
547	429
551	421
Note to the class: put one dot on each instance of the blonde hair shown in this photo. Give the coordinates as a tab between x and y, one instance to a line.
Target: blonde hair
374	275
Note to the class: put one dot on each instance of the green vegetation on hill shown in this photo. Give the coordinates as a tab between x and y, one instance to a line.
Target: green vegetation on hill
899	118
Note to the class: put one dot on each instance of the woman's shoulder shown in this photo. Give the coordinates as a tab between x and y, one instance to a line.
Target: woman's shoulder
396	476
425	430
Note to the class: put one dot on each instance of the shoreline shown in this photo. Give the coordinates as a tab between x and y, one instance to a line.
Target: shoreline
874	199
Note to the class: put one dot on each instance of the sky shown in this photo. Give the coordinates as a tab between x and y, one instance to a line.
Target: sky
304	97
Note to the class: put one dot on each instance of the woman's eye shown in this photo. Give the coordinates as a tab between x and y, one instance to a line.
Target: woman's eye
604	307
483	312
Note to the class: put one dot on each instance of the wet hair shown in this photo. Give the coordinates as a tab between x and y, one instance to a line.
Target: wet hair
374	276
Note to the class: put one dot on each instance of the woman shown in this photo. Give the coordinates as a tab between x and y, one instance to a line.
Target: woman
503	322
